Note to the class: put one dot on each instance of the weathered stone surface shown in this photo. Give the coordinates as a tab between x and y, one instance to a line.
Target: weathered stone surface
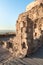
29	31
33	4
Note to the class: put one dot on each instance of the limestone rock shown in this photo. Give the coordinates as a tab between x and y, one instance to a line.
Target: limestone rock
40	1
33	4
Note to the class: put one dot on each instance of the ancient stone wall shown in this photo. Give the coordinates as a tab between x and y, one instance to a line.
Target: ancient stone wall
29	31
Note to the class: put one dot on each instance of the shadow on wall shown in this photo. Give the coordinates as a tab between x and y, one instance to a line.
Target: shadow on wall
39	52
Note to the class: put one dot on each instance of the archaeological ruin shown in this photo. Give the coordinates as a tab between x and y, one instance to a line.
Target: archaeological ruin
29	31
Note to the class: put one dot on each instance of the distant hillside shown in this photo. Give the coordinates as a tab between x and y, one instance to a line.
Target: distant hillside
6	31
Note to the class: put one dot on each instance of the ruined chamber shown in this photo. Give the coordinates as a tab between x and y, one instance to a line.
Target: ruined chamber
29	30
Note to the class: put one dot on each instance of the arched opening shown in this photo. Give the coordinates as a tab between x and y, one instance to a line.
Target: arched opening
35	34
23	45
35	25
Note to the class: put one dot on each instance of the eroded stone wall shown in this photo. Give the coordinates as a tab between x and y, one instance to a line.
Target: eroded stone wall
30	29
29	32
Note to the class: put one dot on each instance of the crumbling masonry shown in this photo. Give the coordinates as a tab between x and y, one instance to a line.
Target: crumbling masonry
29	30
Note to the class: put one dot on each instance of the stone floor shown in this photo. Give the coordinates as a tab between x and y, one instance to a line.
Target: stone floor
33	59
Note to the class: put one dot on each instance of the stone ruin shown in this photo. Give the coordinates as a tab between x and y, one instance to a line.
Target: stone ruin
29	31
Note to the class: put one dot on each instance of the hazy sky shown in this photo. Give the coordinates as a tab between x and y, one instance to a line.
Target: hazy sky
9	11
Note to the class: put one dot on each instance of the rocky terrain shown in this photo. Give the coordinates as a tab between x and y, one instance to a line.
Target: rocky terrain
33	59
